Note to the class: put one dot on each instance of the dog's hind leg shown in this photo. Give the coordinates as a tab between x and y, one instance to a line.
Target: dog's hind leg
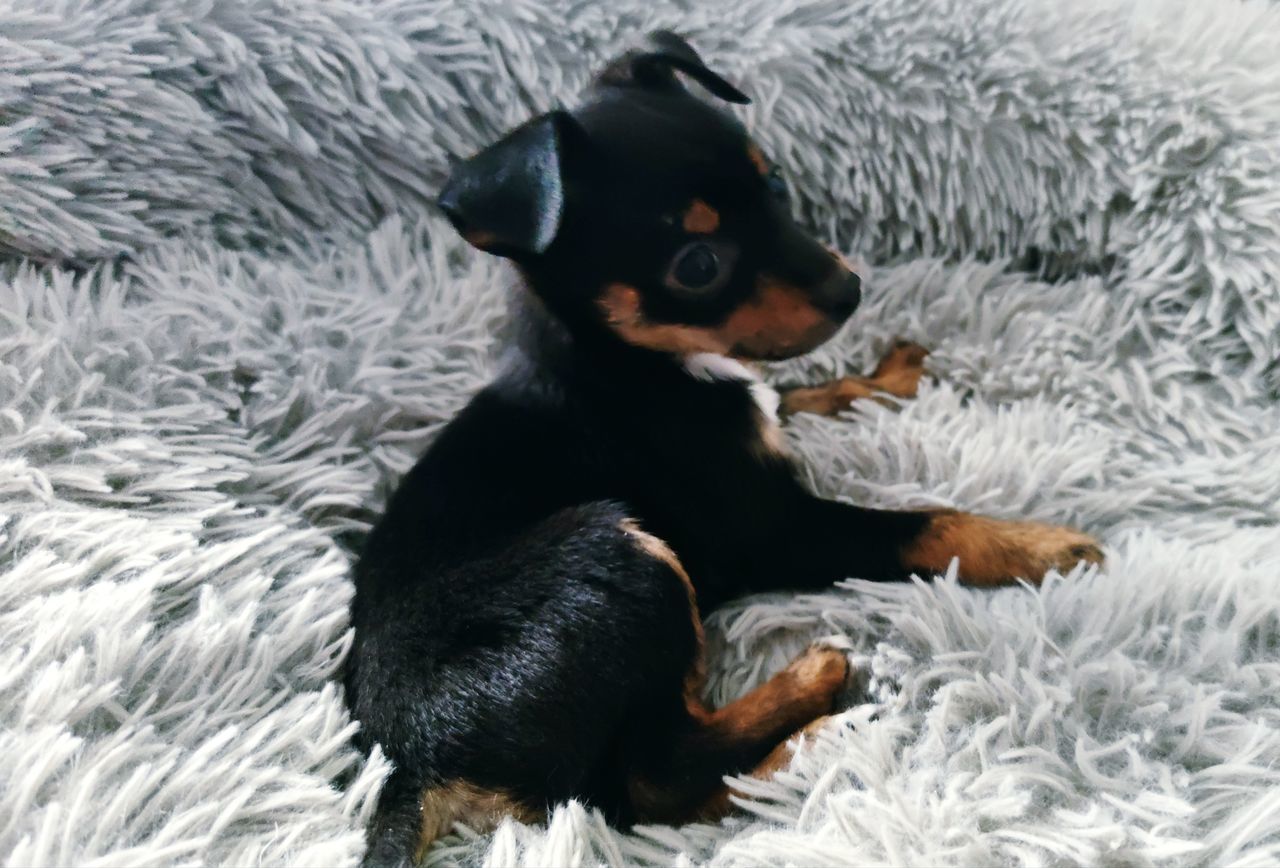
684	781
720	802
556	645
898	375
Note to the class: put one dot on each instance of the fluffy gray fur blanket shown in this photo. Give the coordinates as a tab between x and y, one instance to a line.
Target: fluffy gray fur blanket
228	323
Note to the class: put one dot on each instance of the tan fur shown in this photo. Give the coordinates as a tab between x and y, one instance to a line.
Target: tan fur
758	159
898	374
994	552
700	218
655	547
461	801
803	691
719	804
621	306
796	700
827	399
797	695
779	318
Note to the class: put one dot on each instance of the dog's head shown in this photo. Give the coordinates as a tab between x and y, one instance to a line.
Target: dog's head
650	213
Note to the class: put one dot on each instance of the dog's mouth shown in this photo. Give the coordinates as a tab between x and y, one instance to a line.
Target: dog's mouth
789	323
777	348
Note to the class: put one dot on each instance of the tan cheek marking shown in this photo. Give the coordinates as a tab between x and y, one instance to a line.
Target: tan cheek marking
757	159
700	218
780	317
621	306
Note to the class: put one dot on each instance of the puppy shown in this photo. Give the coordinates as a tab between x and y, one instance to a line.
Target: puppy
528	611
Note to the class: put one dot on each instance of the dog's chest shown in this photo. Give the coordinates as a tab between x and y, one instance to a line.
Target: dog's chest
712	366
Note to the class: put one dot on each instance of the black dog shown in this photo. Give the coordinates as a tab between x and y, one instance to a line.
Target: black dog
527	613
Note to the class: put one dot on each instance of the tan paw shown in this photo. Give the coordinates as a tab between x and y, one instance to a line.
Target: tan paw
826	667
820	664
1061	548
898	375
900	370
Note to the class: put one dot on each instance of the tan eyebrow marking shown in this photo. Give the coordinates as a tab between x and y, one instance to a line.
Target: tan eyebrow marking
701	218
758	159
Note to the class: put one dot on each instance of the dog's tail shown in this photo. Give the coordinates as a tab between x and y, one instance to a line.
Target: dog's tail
411	817
397	826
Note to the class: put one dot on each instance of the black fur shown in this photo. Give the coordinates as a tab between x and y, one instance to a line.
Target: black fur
508	631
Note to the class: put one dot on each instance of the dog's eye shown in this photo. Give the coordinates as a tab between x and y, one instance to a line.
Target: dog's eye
777	184
696	267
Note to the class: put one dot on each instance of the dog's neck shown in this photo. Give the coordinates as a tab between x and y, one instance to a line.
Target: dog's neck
545	343
712	366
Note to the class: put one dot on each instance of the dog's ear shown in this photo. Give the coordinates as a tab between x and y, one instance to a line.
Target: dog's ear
655	64
509	199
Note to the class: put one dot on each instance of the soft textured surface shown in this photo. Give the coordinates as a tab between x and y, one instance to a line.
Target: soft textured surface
227	324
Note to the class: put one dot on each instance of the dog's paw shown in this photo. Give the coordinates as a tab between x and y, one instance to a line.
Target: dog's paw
1029	550
836	641
1061	548
994	552
904	355
844	675
900	371
897	376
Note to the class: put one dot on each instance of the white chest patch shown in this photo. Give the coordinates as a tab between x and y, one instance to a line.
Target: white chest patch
711	366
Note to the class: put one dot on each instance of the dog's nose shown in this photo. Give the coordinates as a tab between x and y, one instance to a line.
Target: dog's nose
842	296
853	287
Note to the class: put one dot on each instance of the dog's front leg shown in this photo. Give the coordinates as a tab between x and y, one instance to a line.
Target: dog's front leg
827	541
898	374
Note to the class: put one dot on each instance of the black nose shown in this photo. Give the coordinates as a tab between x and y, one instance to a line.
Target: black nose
843	296
853	285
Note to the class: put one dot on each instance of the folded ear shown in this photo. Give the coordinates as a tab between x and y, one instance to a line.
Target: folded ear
655	64
509	198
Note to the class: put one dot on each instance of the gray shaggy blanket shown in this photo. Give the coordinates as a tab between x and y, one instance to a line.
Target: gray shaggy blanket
228	323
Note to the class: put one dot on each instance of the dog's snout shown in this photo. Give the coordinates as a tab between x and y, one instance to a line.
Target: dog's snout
841	294
853	291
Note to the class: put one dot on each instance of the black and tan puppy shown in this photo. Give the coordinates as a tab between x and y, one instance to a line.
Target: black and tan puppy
528	612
